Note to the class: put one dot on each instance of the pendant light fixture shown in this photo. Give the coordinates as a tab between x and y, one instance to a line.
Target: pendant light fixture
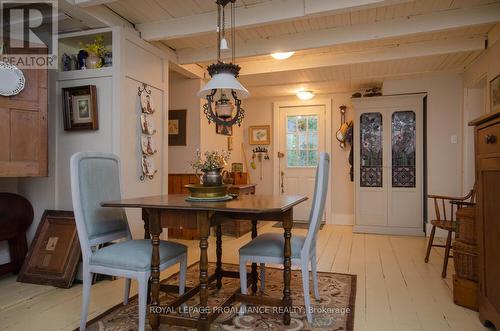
223	92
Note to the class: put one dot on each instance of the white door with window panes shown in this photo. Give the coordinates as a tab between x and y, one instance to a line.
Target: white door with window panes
301	139
388	164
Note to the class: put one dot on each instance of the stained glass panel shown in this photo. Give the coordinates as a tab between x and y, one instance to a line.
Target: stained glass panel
371	150
403	149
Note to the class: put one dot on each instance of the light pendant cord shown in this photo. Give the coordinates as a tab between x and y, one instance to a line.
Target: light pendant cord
218	31
233	33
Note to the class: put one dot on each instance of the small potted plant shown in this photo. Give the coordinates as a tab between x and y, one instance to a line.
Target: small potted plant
96	51
211	164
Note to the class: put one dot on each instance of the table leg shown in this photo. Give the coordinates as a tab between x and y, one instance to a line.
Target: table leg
145	219
155	228
147	235
203	224
218	270
287	263
254	265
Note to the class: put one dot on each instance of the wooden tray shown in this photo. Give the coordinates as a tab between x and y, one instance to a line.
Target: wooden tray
224	198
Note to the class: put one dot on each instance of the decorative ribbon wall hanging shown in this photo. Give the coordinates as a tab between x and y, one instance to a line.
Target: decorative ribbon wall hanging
148	131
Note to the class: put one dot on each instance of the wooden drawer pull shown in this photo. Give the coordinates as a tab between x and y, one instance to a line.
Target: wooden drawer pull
491	139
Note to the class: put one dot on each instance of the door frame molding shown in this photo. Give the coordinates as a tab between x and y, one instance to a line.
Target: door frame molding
327	103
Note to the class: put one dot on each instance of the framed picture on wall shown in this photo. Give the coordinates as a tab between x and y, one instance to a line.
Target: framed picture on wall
495	94
80	108
260	135
54	253
223	129
177	127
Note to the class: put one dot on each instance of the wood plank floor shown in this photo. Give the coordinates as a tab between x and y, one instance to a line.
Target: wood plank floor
396	290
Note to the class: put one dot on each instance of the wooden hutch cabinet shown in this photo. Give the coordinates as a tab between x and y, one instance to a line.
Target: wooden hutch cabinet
487	149
23	128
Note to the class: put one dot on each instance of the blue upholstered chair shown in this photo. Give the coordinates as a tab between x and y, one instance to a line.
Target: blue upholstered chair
268	247
95	177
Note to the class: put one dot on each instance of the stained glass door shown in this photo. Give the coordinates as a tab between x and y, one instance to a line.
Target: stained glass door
405	166
371	149
389	164
371	173
404	141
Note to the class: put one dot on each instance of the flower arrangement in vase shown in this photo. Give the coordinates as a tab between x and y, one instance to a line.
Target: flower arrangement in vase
96	51
211	164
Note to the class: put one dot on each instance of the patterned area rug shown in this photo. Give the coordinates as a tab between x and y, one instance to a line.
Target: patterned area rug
335	310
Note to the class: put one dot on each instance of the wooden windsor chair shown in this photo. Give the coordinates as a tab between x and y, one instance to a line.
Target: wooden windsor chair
446	221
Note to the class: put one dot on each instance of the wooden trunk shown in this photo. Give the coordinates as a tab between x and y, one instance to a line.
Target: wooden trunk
487	149
239	178
465	292
237	229
465	260
176	184
466	228
188	230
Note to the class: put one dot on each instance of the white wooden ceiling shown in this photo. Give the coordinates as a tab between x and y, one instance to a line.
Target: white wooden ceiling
356	17
145	11
339	46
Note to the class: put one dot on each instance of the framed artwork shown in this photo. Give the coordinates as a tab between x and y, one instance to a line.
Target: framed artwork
229	143
495	94
223	129
177	127
54	253
260	135
80	108
236	167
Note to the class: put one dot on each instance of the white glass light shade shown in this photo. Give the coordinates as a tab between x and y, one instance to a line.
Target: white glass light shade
282	55
305	95
224	81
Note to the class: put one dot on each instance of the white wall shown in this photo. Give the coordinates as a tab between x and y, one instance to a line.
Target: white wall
444	109
474	106
200	135
259	111
135	62
444	121
211	141
487	66
183	96
70	142
142	64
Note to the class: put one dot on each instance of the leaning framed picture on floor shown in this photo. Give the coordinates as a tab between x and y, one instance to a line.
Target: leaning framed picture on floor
54	252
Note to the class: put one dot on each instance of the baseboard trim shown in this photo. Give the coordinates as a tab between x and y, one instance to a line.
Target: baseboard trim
342	219
388	230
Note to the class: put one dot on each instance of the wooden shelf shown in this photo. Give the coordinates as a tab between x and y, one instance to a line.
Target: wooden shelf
85	74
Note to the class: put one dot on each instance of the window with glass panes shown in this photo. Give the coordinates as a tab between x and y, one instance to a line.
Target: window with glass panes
302	141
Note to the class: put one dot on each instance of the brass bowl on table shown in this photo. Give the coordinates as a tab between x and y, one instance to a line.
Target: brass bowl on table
207	192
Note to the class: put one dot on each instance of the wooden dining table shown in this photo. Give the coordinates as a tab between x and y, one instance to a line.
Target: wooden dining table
163	212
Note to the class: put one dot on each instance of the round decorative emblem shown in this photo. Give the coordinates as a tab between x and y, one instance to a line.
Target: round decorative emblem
11	79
